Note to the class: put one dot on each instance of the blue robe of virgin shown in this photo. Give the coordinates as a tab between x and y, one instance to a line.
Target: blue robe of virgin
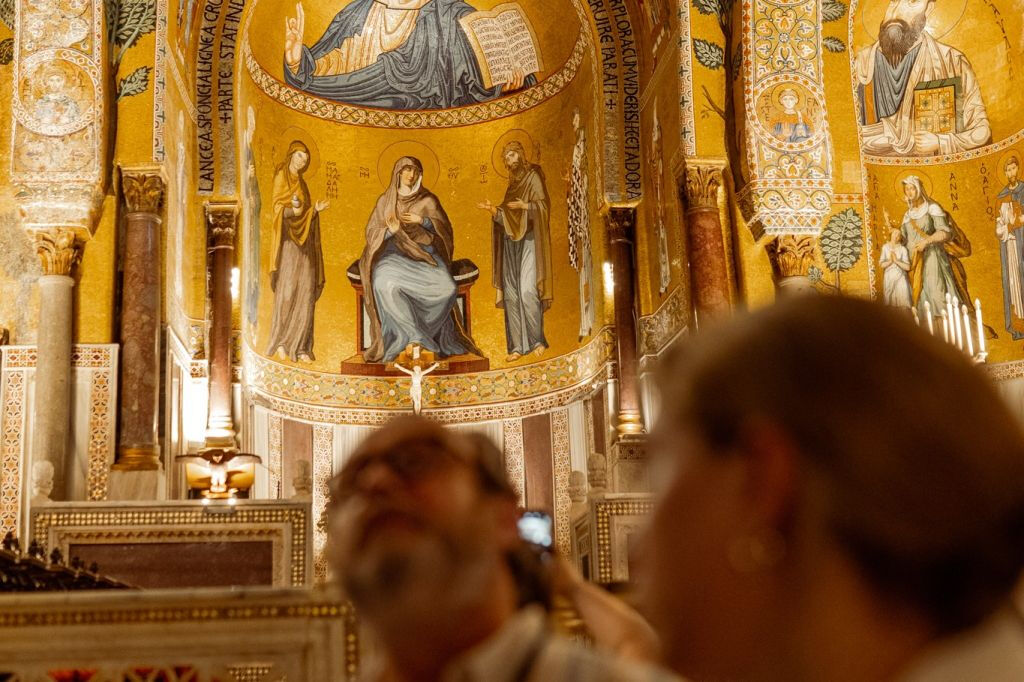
435	68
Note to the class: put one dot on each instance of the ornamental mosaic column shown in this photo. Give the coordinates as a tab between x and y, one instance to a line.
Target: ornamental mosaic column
221	220
705	240
138	446
58	250
621	226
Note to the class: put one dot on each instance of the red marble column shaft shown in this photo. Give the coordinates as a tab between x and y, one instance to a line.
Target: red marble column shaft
710	287
138	443
621	227
221	224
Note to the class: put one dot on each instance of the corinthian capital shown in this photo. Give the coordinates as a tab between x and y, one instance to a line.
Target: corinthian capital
143	190
221	219
58	250
701	182
620	223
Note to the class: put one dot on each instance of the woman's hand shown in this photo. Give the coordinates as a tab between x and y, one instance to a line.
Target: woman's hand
322	205
517	205
489	207
413	218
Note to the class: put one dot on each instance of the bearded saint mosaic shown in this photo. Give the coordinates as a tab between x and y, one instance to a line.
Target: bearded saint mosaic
521	229
918	96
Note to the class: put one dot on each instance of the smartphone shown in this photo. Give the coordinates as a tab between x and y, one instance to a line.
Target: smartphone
536	527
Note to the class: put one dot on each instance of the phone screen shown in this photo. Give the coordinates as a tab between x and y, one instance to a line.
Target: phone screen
535	527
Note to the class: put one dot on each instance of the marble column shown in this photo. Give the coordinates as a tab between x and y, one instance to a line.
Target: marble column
138	445
711	289
221	220
58	250
621	227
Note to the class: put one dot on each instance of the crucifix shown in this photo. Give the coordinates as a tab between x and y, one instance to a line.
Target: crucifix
416	374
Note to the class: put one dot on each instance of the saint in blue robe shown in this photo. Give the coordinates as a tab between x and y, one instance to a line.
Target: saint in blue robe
435	68
1011	253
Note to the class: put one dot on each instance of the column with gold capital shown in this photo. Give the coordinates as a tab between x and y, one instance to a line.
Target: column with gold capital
706	246
138	444
59	250
621	227
222	220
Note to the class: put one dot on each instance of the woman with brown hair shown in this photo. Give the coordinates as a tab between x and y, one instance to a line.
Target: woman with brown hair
844	500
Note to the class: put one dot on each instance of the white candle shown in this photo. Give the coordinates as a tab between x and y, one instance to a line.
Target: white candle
928	317
949	314
945	327
981	326
959	325
967	330
917	318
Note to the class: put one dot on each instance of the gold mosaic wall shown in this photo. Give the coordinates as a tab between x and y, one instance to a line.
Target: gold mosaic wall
351	167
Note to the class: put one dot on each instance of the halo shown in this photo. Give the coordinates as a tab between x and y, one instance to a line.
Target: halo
945	16
904	174
296	133
391	154
515	135
776	95
1007	155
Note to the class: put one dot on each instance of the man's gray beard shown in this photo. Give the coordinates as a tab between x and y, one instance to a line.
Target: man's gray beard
414	578
896	37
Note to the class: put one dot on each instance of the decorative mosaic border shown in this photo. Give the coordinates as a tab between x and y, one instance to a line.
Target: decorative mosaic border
17	361
83	356
160	82
1006	371
688	130
323	469
603	513
562	466
459	390
310	412
86	134
141	613
102	400
64	538
175	521
515	458
945	158
778	202
275	427
384	118
12	425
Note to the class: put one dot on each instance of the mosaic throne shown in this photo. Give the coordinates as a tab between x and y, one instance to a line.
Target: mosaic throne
465	273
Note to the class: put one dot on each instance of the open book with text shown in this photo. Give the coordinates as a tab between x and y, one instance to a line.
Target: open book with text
504	41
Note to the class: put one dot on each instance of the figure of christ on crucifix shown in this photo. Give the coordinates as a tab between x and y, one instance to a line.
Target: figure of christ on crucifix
416	374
